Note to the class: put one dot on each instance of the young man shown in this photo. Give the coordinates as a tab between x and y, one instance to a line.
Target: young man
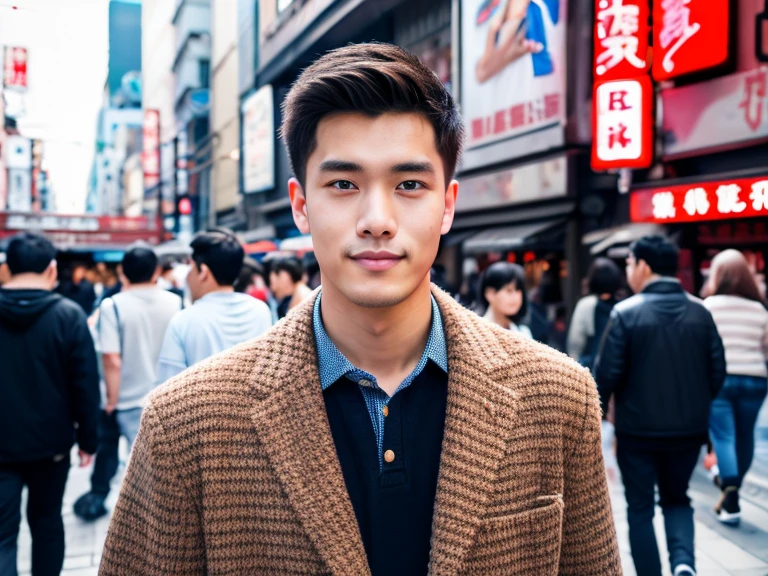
220	317
131	329
663	359
380	428
49	398
286	280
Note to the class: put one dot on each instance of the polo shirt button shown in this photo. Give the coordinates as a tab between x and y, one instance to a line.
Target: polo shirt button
364	382
385	411
389	456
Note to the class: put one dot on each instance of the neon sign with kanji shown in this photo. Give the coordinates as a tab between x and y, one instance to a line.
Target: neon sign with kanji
689	36
623	124
740	198
621	39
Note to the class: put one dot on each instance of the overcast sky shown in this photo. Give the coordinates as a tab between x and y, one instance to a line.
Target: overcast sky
67	67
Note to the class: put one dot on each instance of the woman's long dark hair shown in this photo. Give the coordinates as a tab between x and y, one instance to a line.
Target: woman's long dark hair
499	275
731	276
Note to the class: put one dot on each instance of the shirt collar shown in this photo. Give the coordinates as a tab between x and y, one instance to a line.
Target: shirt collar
332	364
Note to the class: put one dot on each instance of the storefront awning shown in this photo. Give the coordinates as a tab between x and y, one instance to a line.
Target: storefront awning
623	235
508	237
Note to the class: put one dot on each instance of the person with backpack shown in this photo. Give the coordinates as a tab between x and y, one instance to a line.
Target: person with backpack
49	400
130	330
590	317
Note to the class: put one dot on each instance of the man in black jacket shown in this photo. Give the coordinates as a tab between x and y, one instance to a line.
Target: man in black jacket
663	360
49	398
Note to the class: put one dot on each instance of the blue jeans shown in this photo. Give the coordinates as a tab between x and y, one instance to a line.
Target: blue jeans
128	422
732	425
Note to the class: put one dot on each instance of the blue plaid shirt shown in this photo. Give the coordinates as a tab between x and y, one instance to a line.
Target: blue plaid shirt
333	365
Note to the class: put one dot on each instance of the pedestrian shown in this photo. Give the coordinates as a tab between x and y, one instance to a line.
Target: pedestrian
49	399
73	285
287	282
742	320
662	359
502	291
316	448
590	317
220	318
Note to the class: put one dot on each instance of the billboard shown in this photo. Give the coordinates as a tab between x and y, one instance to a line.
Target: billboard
512	76
259	141
621	39
151	147
718	200
15	68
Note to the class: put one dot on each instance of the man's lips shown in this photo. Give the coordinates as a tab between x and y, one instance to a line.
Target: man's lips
377	261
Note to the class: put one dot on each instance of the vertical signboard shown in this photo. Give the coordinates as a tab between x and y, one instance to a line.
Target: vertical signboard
621	39
689	36
15	68
259	141
150	157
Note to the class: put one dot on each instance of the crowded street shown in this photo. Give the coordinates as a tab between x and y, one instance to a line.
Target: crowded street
384	287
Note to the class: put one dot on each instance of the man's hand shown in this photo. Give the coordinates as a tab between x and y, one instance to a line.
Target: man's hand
109	408
85	458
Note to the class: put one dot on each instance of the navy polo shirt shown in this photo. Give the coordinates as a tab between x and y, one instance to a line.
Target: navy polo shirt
389	448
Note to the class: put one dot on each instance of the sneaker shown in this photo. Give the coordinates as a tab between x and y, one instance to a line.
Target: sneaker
90	507
684	570
728	510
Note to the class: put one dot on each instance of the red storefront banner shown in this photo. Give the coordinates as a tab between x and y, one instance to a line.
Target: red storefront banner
621	39
689	36
623	124
82	229
720	200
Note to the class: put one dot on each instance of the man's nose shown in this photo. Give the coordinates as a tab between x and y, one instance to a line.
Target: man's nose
377	214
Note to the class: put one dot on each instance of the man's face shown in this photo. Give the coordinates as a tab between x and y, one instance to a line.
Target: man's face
376	203
638	273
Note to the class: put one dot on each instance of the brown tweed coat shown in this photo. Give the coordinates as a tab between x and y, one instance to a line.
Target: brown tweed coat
234	470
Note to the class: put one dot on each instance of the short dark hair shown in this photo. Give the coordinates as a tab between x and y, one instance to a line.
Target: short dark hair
221	251
659	253
250	269
604	277
139	264
373	79
29	253
290	264
499	275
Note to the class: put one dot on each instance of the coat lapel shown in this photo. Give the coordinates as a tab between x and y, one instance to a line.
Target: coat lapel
293	428
478	425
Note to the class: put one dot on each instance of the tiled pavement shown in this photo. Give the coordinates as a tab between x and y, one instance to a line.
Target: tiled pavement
721	551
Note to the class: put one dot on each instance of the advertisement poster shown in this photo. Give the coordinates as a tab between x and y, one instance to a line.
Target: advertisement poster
259	141
512	68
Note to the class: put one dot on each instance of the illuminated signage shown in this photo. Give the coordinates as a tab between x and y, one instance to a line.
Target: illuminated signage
689	36
621	39
623	124
722	200
150	157
15	68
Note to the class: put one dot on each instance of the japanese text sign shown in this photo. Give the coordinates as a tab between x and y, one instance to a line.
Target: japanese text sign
739	198
151	152
689	36
623	124
621	39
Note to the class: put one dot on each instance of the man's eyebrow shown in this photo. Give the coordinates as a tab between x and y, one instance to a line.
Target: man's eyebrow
424	167
340	166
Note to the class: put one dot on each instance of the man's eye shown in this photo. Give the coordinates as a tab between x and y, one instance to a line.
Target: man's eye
410	185
343	185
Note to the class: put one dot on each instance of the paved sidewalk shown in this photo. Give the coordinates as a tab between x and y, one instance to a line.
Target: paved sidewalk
721	551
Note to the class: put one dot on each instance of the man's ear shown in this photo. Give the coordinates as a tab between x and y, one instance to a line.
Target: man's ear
52	273
204	272
298	205
450	206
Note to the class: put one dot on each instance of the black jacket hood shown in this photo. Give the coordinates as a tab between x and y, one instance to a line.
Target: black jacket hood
19	309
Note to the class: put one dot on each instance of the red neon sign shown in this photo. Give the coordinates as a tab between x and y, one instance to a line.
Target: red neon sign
151	149
623	124
722	200
689	36
621	39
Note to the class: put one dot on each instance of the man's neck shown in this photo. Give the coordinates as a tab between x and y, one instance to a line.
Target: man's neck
139	286
219	290
27	282
386	342
658	278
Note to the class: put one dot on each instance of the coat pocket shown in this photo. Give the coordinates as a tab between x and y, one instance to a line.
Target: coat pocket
526	542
